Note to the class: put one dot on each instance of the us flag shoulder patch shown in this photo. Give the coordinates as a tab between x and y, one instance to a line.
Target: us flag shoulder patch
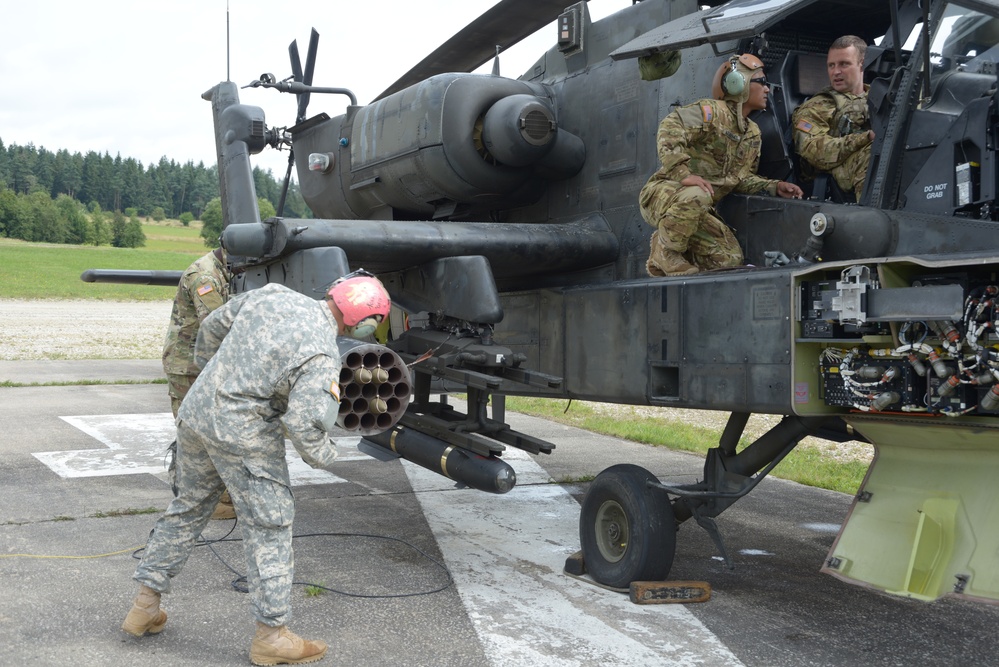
804	126
205	289
707	112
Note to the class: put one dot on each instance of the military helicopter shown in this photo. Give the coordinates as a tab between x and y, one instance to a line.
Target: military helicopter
502	215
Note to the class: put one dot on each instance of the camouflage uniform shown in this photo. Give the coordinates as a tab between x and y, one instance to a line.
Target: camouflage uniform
271	368
203	288
711	140
830	134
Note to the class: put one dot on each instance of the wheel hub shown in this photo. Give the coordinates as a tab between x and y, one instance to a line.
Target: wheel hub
612	531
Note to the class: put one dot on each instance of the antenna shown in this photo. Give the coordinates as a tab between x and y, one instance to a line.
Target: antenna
227	41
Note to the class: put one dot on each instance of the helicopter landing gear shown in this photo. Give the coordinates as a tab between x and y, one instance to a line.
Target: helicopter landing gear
626	528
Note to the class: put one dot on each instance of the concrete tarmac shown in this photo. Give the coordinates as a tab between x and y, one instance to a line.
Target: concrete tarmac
424	573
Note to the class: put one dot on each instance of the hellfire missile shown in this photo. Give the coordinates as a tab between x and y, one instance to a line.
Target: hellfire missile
491	474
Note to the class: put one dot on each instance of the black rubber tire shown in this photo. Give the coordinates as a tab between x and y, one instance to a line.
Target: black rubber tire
627	530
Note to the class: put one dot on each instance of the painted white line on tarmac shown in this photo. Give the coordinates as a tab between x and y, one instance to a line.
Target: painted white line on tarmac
506	554
136	444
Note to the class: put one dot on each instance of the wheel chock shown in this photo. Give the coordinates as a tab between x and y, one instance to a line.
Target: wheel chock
645	592
574	564
667	592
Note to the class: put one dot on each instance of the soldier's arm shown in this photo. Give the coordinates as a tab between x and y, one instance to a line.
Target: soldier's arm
313	405
672	141
214	328
813	142
751	183
206	293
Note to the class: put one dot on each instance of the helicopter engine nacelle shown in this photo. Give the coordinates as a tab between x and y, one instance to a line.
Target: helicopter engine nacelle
452	145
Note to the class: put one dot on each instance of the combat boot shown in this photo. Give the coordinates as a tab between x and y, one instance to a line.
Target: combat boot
225	509
672	263
280	646
145	614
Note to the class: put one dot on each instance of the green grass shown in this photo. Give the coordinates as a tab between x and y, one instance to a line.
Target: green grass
314	591
805	464
174	238
78	383
128	511
52	271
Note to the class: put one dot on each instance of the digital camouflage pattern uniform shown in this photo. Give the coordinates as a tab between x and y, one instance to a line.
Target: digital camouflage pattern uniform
706	139
830	134
203	287
271	369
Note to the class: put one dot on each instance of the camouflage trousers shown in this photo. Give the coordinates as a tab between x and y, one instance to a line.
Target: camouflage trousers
686	223
177	387
850	175
261	493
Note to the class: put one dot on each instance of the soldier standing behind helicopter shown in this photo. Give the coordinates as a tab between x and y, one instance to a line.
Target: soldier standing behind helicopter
203	287
832	129
707	150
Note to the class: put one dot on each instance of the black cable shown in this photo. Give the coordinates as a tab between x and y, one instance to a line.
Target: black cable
240	584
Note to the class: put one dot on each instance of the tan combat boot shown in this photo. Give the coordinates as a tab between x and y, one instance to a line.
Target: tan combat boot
225	509
672	263
280	646
145	614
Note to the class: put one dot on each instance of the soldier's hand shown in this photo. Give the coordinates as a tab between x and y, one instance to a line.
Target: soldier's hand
698	181
789	190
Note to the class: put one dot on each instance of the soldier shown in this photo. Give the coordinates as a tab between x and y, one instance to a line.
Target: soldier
707	149
203	287
271	367
832	130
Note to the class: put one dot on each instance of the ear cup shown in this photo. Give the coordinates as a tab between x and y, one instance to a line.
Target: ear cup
733	83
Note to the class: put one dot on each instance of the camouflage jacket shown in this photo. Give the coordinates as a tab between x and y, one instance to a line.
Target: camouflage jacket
831	126
704	139
203	288
271	369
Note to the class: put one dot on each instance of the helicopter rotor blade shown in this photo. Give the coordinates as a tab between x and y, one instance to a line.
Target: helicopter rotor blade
505	24
310	68
296	62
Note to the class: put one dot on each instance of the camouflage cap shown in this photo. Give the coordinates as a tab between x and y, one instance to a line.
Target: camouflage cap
659	65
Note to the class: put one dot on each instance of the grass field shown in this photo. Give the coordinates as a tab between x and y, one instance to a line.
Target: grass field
52	271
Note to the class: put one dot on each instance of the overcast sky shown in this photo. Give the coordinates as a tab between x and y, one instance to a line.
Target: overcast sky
126	76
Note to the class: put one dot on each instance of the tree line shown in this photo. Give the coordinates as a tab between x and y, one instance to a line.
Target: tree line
46	196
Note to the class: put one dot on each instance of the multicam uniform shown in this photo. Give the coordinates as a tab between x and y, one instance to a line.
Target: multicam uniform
203	287
272	368
706	139
830	134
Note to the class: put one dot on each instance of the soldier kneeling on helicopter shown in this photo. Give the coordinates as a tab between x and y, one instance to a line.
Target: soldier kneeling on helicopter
707	150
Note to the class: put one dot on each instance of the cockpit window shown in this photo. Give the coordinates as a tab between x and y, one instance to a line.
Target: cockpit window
965	40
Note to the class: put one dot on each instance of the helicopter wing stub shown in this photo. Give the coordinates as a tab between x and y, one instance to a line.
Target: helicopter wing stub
505	24
733	20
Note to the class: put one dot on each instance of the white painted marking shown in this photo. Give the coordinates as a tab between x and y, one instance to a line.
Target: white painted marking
505	553
755	552
822	527
137	444
517	544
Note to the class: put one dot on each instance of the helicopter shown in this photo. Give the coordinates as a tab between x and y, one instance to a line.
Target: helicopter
502	215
